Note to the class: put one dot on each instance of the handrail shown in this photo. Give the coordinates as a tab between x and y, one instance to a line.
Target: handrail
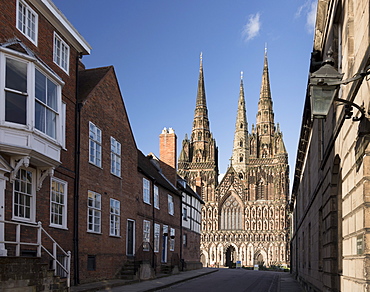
56	263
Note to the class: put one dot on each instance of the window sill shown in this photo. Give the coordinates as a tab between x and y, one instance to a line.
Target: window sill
117	176
58	227
92	163
21	220
93	232
115	236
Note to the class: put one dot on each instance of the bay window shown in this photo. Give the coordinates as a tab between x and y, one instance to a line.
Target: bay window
46	104
31	97
16	91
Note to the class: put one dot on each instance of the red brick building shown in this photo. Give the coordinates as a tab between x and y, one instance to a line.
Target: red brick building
107	180
39	53
75	193
191	203
159	215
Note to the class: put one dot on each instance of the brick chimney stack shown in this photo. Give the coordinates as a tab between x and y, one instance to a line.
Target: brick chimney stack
168	154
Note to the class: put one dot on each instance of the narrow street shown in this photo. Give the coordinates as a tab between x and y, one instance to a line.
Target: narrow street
236	280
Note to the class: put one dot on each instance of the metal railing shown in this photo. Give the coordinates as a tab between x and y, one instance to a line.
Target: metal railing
61	259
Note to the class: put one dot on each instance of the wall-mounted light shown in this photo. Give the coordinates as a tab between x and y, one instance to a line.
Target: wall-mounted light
324	85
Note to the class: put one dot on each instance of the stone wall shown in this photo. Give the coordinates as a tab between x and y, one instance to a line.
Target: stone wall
28	274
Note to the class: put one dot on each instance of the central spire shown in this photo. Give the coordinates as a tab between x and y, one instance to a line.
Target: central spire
265	115
200	131
240	153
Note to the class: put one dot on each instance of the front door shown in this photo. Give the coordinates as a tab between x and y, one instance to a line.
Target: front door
164	248
130	237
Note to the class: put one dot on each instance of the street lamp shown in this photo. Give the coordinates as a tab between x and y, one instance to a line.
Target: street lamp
324	85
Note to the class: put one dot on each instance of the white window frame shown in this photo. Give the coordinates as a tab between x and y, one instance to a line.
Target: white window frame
146	191
19	210
48	104
22	21
94	212
146	235
157	232
114	218
58	202
115	155
172	239
185	213
29	95
95	145
171	209
156	197
61	53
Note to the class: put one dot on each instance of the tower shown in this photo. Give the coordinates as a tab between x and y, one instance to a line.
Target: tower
198	160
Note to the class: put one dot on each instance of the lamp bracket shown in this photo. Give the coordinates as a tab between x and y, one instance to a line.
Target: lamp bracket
349	80
360	108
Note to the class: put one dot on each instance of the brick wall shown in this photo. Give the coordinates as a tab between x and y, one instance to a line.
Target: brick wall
104	107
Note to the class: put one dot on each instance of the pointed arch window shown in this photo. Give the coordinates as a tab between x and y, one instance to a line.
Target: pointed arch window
231	214
260	194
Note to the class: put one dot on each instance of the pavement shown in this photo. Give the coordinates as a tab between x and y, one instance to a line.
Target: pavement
286	282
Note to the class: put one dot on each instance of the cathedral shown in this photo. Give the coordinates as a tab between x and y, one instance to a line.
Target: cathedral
244	218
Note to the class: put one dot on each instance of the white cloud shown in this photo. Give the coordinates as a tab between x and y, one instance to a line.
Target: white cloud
311	17
252	28
308	9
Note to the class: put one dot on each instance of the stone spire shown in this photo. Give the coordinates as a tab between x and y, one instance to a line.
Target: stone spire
198	161
200	132
240	153
265	116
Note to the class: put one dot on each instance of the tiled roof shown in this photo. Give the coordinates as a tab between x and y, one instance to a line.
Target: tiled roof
152	172
188	189
89	79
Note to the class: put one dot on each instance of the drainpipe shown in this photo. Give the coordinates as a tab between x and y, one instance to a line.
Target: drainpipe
181	208
153	215
77	181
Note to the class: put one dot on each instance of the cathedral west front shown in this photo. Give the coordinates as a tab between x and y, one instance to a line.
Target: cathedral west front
244	218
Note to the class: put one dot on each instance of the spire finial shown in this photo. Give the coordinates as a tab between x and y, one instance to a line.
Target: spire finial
241	75
265	49
201	59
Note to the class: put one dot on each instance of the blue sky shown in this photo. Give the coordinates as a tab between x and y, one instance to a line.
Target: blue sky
155	45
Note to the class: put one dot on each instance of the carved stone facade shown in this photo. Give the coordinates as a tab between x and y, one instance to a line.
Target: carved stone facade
244	217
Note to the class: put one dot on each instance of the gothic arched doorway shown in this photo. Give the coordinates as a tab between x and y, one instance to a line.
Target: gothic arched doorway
258	260
203	260
230	256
